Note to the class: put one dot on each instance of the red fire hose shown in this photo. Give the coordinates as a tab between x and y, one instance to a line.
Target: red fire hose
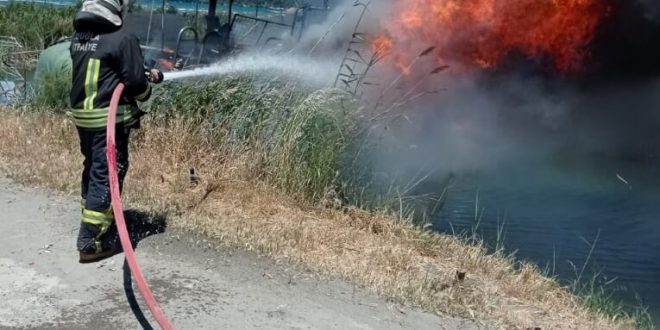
142	285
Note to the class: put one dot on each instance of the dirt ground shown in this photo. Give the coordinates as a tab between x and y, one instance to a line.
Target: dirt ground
198	284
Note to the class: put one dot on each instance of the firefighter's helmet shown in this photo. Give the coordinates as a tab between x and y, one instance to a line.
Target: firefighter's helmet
111	10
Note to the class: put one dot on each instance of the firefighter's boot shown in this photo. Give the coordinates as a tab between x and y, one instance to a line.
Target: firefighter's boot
96	243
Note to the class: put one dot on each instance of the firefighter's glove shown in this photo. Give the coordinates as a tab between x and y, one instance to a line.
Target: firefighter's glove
155	76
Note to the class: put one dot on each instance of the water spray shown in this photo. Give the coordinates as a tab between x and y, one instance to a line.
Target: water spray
300	68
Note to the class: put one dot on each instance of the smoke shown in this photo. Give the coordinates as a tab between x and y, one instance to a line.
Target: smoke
460	121
627	46
328	37
651	9
521	110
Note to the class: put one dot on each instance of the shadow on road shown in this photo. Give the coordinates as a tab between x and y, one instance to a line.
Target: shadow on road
143	224
132	299
140	226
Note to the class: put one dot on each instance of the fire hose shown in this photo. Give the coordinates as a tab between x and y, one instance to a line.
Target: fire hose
111	153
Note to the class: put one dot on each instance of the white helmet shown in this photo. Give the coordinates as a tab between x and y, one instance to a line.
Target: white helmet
111	10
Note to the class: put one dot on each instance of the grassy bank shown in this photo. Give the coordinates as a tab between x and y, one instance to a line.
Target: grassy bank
295	136
264	166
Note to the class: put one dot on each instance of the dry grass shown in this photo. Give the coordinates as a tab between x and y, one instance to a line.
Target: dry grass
228	203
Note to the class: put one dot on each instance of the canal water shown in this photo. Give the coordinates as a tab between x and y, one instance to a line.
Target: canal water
553	212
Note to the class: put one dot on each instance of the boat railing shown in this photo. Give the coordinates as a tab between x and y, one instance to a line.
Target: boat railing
185	57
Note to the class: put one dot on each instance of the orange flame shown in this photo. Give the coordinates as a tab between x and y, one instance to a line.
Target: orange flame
381	45
483	32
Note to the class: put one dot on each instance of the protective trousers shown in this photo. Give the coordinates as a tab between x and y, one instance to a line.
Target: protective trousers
97	215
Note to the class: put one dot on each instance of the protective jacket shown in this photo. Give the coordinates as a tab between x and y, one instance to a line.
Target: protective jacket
103	55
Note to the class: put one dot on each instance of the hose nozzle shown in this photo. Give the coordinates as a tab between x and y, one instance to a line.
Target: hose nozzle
154	76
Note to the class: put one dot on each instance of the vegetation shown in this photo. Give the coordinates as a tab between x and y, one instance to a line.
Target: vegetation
170	9
53	92
276	3
597	296
264	3
36	26
198	21
134	6
299	134
309	142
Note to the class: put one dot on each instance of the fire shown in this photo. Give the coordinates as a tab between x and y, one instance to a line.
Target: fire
381	45
483	32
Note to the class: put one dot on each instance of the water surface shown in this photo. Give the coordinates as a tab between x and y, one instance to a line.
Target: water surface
553	212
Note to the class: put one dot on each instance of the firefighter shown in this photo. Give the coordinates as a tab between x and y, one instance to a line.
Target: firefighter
103	55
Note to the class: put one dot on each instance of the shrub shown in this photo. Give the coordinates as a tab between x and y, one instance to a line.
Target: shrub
53	91
36	26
